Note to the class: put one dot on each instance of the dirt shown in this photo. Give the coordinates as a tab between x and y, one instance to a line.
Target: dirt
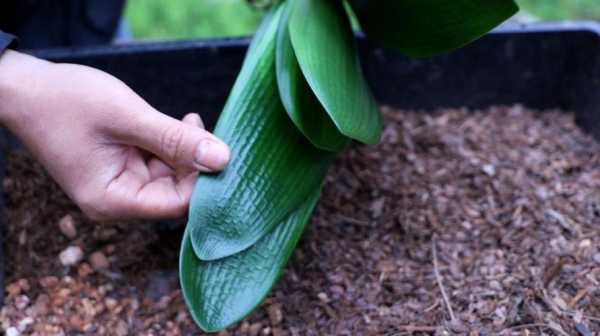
458	223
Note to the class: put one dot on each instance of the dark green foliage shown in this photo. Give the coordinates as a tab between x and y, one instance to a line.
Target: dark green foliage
300	97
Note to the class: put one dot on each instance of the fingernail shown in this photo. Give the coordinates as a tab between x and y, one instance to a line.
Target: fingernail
212	154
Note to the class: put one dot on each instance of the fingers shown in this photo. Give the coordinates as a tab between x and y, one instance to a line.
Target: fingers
157	186
181	144
162	198
153	190
149	190
193	119
130	197
158	169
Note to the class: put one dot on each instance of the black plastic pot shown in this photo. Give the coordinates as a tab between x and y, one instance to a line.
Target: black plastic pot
541	66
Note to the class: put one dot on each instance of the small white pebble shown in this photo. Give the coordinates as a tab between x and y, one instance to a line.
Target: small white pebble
489	169
21	302
323	297
586	243
22	237
12	331
72	255
110	303
542	192
24	323
67	226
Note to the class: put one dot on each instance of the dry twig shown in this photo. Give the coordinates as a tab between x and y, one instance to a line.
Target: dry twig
534	325
438	278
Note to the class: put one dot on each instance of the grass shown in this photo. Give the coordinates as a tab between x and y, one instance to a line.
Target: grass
191	19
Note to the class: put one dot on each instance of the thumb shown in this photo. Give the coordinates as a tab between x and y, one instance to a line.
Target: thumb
179	144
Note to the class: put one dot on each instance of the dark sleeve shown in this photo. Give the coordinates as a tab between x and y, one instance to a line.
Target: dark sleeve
6	40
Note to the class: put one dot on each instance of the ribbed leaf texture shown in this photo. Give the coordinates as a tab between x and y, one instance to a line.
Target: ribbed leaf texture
273	167
223	292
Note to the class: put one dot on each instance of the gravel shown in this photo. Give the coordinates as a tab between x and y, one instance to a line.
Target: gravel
67	226
71	256
99	261
458	223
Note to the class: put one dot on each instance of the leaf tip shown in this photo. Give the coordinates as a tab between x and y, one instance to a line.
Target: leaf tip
190	268
209	245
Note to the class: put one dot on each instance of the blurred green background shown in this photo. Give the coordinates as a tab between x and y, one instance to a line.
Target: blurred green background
191	19
562	9
187	19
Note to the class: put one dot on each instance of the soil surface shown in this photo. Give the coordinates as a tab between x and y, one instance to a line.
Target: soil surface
458	223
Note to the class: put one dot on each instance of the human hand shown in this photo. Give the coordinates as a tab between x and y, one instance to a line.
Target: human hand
110	151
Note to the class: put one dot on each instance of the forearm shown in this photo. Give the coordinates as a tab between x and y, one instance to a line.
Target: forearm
17	84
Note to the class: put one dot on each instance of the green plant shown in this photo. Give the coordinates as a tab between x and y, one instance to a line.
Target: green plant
299	99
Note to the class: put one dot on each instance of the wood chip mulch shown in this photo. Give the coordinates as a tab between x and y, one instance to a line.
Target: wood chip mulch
458	223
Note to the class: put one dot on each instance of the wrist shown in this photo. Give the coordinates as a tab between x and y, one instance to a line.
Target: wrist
18	86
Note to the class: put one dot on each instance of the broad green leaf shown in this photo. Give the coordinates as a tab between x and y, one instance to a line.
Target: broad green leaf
421	28
299	101
273	167
222	292
326	51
